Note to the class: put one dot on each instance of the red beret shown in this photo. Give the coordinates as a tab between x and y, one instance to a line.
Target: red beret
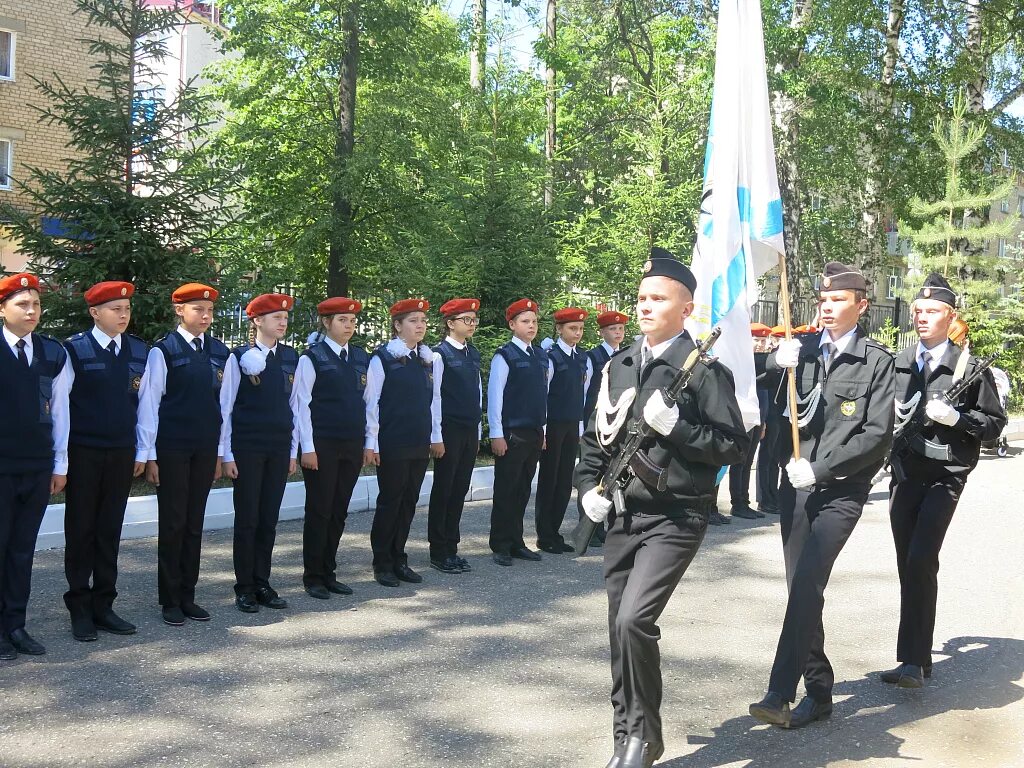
570	315
809	328
760	330
458	306
267	303
518	307
110	290
194	292
779	330
611	318
405	306
23	281
339	305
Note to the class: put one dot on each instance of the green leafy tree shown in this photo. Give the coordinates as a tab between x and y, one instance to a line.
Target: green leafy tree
138	200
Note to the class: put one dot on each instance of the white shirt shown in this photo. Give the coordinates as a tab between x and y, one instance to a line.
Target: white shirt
936	353
151	392
60	415
653	353
439	377
840	344
375	384
496	390
103	340
586	380
228	393
302	394
608	348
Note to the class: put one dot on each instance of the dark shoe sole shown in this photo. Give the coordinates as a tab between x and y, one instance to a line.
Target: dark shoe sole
113	631
389	584
906	681
85	638
9	656
444	569
319	596
777	717
174	623
248	608
794	725
198	618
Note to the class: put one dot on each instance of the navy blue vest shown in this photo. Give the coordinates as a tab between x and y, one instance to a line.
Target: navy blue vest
525	400
565	394
261	419
599	357
336	406
190	408
404	409
460	385
105	395
26	441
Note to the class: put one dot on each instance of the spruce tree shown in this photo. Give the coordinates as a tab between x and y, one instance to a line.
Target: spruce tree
138	200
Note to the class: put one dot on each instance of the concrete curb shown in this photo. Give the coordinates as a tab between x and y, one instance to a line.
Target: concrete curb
140	519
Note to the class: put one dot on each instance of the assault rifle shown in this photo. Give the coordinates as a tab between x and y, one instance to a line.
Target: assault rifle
905	433
628	460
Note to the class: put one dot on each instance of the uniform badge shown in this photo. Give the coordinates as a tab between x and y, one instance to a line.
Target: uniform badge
136	383
848	408
291	378
827	282
927	293
206	294
46	407
648	266
24	282
220	375
362	380
124	291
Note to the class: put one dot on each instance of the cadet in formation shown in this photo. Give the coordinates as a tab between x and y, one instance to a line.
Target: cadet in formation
33	450
652	540
931	464
258	444
105	374
846	385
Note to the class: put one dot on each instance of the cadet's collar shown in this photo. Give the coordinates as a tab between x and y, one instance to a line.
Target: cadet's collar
659	349
335	347
455	343
520	343
938	352
608	348
188	336
103	340
565	347
12	340
841	343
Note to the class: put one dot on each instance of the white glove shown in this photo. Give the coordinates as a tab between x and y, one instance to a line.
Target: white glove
660	415
800	473
596	506
253	362
941	412
787	355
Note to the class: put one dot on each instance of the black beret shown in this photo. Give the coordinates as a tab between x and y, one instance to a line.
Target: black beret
664	264
936	287
842	277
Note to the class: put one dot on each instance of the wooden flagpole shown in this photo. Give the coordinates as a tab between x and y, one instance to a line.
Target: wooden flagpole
787	321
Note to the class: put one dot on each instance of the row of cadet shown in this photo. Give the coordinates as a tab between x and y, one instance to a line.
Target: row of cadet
104	407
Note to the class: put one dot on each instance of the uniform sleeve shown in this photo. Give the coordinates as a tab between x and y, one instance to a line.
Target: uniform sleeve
228	393
371	396
302	394
720	439
435	401
586	388
60	414
871	444
151	392
593	460
496	395
984	417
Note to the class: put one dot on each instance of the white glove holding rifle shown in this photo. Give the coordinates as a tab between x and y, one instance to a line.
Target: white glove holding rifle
596	506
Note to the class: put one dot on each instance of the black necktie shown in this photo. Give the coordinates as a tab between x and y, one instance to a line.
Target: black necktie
926	358
198	344
343	355
22	355
112	347
529	351
270	352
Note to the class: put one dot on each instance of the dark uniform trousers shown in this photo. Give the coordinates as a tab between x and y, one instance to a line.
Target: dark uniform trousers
399	479
768	464
920	511
185	480
99	481
23	498
258	491
816	524
645	556
328	493
739	474
554	481
513	478
453	474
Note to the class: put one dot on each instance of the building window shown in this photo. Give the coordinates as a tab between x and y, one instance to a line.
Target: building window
6	160
6	54
817	201
1004	206
895	283
1001	248
1020	204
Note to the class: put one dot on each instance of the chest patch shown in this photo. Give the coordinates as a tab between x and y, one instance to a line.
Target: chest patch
848	408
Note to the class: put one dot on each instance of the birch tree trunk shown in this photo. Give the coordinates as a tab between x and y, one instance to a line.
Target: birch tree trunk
478	46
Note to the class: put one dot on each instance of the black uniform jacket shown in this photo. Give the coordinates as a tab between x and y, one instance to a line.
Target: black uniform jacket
849	435
709	435
981	415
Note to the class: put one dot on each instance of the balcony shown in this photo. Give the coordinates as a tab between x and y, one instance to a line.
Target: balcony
206	9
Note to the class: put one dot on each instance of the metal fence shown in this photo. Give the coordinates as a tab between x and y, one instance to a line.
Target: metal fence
804	311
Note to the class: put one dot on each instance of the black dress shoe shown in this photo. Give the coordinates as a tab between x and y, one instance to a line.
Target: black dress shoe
405	573
319	591
620	748
463	564
717	518
336	587
566	547
446	565
893	676
769	510
502	558
551	549
247	603
83	629
269	597
195	612
173	616
912	677
24	643
7	651
808	711
772	709
745	512
114	624
386	578
639	754
525	553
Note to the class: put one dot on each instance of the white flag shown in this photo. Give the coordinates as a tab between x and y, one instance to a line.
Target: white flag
739	232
